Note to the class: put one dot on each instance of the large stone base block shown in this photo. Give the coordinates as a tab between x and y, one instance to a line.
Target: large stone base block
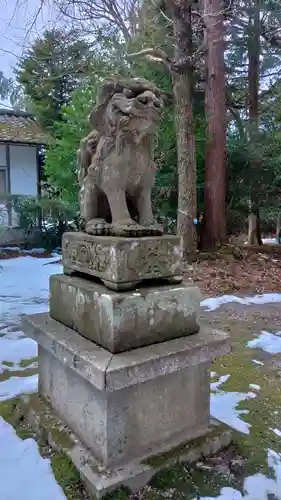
122	263
35	412
122	321
131	405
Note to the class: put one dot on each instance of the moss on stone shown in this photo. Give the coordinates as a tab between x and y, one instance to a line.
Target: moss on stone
9	364
68	477
175	454
25	363
17	373
120	494
59	434
25	433
8	410
61	437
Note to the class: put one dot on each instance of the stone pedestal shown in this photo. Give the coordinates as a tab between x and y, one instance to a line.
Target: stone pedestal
131	405
122	321
128	372
123	263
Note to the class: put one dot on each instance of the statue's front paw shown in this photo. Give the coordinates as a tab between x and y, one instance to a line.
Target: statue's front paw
125	222
153	227
97	227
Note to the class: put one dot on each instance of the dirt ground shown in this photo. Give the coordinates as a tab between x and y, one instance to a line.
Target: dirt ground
237	270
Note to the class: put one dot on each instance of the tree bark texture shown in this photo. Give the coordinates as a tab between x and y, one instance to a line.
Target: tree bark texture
183	96
278	228
254	50
252	230
214	225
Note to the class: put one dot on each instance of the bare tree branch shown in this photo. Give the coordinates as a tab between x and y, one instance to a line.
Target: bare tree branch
272	35
157	55
118	13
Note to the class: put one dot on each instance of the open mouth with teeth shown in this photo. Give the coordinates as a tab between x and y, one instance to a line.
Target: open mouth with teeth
130	104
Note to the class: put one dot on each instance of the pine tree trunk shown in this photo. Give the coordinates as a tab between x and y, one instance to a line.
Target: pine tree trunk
278	228
186	157
214	224
254	50
186	166
252	230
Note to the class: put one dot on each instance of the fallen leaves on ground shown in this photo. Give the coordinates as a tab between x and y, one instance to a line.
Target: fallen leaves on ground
12	254
224	273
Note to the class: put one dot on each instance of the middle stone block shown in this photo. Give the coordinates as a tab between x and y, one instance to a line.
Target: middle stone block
122	321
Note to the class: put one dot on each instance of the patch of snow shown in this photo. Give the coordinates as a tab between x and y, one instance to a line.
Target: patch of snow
215	385
258	486
224	406
269	241
25	286
24	473
14	386
251	394
254	387
268	342
214	303
257	362
11	333
276	431
24	290
14	350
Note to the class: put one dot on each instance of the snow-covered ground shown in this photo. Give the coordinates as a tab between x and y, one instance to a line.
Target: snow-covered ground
268	342
269	241
214	303
258	486
24	474
224	405
24	283
224	408
25	290
24	287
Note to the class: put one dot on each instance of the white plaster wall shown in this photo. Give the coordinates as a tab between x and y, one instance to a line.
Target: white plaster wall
23	170
4	217
3	159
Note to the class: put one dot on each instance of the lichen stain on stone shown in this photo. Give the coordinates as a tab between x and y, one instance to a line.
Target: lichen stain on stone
196	445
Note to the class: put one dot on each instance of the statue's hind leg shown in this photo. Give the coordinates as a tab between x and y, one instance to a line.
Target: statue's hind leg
145	207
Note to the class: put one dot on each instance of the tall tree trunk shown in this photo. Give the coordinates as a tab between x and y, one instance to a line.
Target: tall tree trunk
252	230
214	224
181	71
254	50
278	228
186	157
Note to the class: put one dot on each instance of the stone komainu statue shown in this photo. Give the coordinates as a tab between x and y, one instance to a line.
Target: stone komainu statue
116	167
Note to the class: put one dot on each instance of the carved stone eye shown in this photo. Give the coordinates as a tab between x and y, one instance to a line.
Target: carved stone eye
127	93
143	99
